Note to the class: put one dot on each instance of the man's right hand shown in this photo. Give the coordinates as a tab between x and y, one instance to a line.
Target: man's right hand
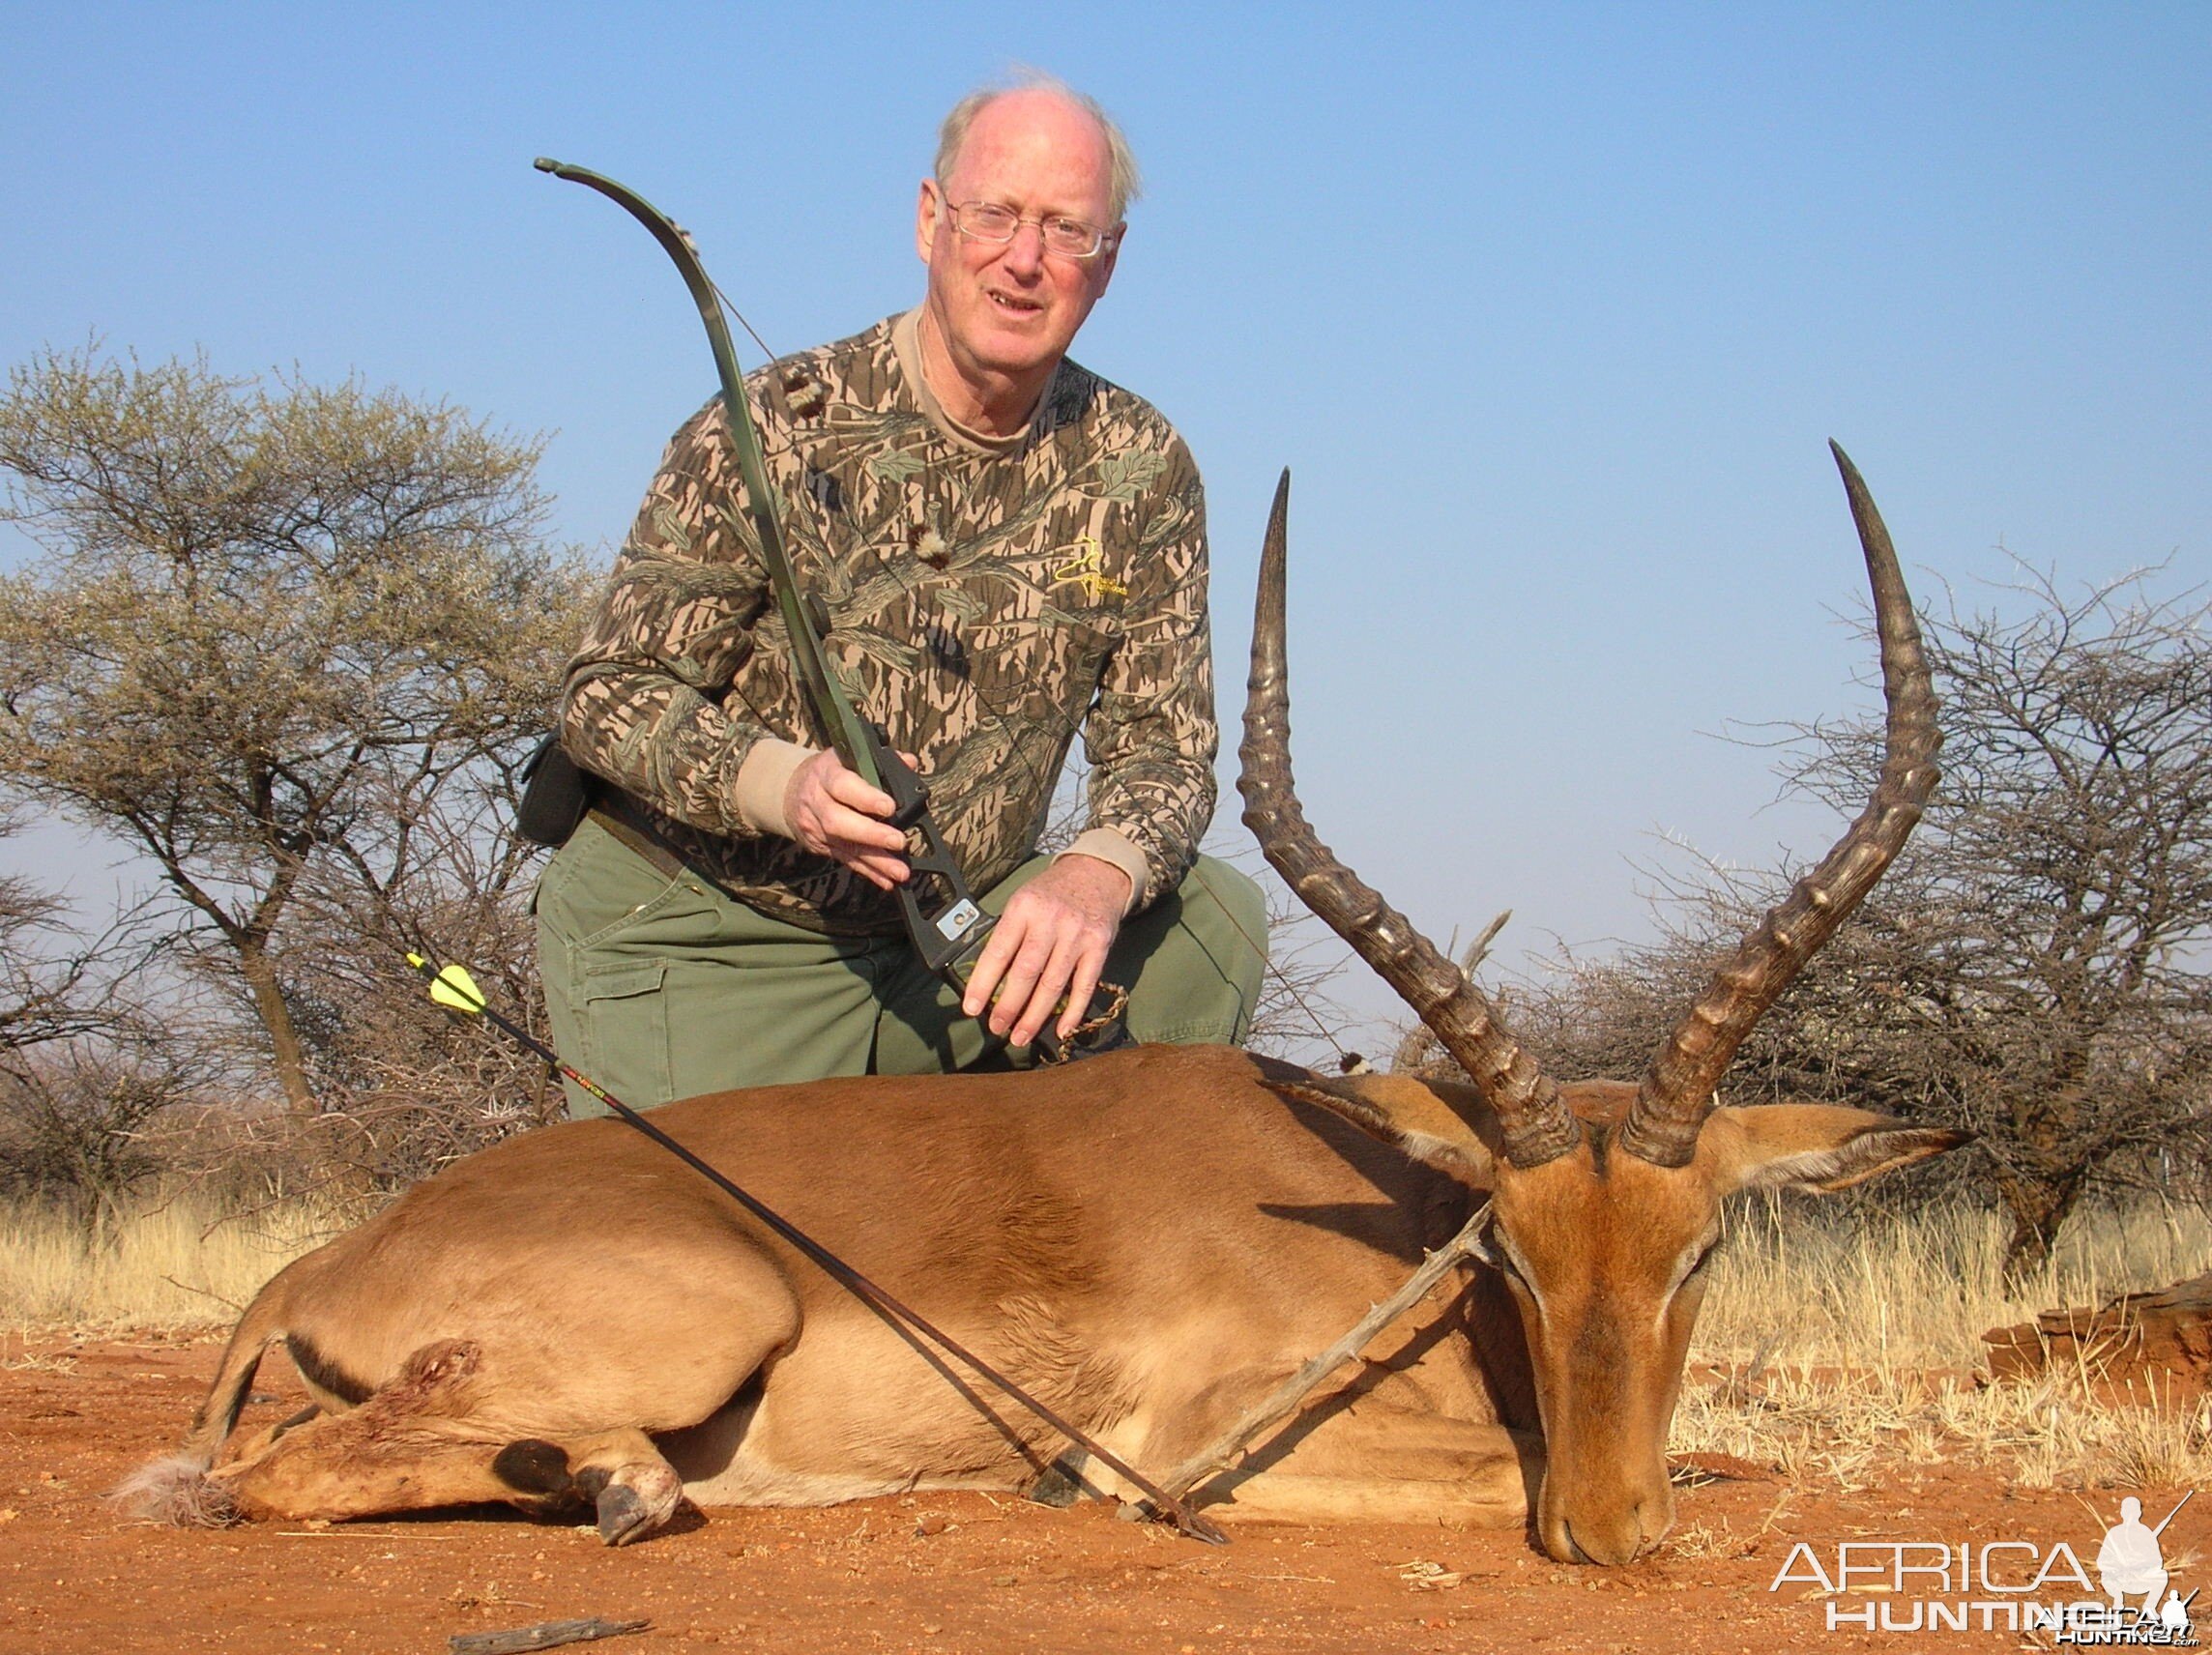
834	813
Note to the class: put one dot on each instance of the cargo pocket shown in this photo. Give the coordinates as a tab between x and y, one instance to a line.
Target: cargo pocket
626	1032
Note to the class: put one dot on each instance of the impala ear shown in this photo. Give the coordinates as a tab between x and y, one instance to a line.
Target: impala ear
1814	1146
1434	1121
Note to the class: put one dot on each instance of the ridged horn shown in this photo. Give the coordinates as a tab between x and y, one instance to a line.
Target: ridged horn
1676	1091
1538	1125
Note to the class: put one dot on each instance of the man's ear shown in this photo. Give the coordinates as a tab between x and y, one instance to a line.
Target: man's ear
1432	1121
929	209
1107	255
1813	1146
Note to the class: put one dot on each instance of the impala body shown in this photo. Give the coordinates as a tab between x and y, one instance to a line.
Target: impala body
1149	1241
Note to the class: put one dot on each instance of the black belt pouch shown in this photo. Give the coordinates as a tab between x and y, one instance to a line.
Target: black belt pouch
556	793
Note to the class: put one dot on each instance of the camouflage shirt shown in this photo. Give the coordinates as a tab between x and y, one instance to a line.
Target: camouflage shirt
987	599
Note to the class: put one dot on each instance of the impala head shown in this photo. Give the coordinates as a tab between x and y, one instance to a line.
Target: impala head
1606	1195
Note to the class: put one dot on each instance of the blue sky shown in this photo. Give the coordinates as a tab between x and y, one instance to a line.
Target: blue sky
1550	308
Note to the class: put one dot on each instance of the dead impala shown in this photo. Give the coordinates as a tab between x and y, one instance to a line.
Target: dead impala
1149	1241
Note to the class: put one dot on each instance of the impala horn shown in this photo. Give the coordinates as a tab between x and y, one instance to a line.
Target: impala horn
1536	1123
1676	1091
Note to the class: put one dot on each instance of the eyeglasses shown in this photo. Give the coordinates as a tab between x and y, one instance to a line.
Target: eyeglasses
988	221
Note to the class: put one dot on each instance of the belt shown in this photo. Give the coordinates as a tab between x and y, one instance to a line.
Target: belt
637	827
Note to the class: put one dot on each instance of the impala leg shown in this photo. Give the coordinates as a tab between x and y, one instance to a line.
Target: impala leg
1382	1455
619	1474
427	1441
411	1445
324	1474
253	1447
1379	1462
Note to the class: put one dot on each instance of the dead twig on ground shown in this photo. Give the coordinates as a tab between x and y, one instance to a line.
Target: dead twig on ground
547	1634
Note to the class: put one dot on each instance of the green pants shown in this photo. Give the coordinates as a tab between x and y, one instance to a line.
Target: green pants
661	988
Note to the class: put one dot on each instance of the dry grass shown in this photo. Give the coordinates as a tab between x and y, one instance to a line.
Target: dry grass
173	1264
1808	1288
1848	1346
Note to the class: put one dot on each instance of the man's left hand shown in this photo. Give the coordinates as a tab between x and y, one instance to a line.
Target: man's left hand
1052	941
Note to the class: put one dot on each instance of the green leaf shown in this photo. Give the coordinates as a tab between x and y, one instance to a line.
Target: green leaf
898	466
1123	475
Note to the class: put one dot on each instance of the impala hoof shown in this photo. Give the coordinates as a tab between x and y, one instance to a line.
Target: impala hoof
1058	1485
634	1502
622	1516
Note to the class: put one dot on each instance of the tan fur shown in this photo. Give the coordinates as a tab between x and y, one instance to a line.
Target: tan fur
1599	1252
1152	1241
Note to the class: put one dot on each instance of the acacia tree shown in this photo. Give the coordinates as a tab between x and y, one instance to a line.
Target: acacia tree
274	627
84	1065
2052	950
418	1087
2035	966
54	985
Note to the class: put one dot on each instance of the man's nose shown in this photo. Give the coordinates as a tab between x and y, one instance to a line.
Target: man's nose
1025	253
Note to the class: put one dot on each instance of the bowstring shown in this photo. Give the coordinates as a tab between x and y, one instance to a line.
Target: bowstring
753	333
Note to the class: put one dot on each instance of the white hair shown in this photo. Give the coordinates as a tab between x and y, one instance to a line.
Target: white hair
1123	183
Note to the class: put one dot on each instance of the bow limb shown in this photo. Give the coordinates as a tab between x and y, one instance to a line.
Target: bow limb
835	710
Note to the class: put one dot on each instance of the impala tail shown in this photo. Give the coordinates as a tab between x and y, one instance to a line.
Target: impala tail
176	1488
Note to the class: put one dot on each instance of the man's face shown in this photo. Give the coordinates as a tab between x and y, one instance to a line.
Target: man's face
1010	308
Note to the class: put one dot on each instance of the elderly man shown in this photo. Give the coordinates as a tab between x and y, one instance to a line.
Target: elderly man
1010	550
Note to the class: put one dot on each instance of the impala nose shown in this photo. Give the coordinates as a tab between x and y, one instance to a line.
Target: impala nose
1614	1539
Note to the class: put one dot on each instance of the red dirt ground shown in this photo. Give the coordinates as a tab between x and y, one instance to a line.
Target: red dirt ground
924	1572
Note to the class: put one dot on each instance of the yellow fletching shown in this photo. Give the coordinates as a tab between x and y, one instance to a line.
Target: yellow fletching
453	987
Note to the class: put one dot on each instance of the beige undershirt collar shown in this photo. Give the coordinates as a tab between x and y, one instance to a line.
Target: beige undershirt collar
905	346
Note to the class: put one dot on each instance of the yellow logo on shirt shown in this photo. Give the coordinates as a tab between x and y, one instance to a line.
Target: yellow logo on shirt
1087	570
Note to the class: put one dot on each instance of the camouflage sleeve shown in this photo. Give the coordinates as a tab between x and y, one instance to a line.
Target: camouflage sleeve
645	693
1152	738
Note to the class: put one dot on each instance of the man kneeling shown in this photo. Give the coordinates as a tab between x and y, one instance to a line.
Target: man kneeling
1010	550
